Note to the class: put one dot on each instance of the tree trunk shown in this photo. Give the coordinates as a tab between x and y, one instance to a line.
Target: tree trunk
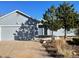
65	34
52	35
65	28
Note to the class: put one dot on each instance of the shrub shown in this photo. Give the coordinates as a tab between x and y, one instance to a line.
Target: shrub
41	41
63	48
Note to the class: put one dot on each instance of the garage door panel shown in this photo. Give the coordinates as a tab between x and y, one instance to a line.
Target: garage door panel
7	32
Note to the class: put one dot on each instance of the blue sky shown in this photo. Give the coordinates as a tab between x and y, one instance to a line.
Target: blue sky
35	9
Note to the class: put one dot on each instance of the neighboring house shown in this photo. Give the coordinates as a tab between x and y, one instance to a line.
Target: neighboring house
19	26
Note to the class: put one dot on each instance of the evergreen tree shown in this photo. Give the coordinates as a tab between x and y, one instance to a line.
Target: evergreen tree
27	31
66	13
63	16
50	20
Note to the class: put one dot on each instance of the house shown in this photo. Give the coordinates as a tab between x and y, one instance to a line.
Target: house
10	23
19	26
11	26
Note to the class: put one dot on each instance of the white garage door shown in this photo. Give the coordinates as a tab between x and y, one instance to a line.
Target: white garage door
7	32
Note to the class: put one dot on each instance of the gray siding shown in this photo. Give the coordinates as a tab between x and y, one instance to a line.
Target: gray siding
13	19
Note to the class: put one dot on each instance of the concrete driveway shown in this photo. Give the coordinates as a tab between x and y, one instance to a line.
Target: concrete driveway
22	49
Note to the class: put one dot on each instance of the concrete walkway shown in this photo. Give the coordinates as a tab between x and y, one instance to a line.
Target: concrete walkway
22	49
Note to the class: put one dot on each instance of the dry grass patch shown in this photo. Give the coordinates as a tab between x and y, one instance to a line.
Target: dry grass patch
63	48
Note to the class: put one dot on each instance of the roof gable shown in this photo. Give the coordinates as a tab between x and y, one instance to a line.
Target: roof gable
16	11
14	17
